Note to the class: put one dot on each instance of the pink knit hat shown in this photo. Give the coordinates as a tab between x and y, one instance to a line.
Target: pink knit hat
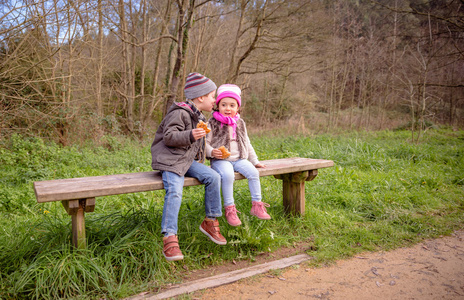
229	90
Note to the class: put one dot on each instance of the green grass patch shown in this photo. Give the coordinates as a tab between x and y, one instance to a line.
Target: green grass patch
382	193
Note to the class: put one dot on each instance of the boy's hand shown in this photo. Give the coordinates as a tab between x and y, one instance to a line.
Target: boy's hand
198	133
216	153
260	165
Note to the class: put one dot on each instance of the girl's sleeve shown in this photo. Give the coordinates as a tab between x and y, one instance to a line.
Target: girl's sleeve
252	157
209	149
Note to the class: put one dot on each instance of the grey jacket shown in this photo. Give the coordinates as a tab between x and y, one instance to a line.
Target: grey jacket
174	148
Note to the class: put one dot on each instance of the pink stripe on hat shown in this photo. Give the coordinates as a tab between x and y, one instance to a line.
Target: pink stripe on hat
229	90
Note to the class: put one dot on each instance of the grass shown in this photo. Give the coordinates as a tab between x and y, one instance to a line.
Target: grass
382	193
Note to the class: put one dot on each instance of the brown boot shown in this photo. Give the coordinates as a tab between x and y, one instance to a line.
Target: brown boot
211	229
171	250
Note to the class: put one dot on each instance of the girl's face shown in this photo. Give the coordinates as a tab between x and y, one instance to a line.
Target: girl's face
228	107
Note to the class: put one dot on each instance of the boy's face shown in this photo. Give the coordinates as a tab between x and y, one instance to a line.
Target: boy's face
228	107
206	102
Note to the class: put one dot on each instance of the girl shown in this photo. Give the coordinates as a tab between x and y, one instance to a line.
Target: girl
227	129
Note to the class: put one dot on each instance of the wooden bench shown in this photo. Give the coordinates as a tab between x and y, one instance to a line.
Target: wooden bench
78	194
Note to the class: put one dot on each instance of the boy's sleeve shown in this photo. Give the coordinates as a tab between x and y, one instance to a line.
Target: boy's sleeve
177	133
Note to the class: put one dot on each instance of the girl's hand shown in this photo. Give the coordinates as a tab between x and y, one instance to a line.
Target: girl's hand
260	165
216	153
198	133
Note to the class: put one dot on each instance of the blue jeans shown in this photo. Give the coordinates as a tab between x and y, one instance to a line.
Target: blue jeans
227	168
174	184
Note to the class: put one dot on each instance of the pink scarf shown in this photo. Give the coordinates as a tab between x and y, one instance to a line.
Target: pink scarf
232	121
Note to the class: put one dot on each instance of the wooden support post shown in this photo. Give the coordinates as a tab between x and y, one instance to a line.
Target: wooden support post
294	190
311	175
78	229
77	210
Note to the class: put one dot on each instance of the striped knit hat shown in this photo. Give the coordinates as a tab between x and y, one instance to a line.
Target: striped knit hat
198	85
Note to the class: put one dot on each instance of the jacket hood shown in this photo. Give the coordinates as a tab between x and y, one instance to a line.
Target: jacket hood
180	105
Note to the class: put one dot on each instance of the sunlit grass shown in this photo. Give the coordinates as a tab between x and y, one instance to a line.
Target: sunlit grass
382	193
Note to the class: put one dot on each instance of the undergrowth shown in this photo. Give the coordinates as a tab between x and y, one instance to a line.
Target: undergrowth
382	193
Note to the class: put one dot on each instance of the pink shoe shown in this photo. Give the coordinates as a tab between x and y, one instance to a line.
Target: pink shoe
231	215
258	209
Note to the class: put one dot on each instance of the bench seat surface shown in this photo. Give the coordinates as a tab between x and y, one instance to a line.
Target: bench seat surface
97	186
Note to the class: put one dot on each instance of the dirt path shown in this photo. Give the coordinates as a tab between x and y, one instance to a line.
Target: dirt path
433	269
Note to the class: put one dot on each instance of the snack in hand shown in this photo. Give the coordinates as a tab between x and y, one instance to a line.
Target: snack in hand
204	126
225	152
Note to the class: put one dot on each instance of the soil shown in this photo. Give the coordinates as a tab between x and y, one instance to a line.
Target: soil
433	269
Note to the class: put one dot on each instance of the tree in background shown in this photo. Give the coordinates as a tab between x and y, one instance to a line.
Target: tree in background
80	70
36	69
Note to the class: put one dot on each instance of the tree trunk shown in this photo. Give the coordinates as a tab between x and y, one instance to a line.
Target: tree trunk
141	95
236	44
153	102
182	45
259	24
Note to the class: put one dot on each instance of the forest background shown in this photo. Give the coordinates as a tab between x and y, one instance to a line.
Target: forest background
77	70
96	76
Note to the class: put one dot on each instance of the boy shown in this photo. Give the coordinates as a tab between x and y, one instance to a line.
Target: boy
179	150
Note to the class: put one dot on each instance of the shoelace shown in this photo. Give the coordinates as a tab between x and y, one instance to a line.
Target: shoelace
262	205
232	210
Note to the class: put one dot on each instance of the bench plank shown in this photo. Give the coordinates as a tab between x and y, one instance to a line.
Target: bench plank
106	185
78	194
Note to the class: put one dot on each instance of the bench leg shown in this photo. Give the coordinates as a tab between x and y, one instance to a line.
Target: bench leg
294	190
77	210
78	229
